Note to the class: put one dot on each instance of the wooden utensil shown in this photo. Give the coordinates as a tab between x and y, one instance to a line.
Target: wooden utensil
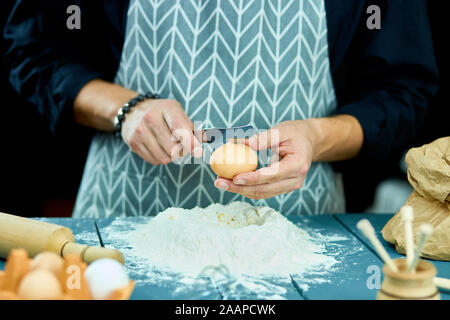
38	236
442	283
367	229
404	285
425	231
408	217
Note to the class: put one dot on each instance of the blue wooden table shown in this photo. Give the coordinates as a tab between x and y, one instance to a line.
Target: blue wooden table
357	274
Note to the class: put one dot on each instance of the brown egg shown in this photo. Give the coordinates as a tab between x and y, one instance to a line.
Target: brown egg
48	261
40	285
232	158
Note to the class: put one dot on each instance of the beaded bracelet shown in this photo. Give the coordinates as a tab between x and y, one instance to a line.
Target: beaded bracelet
120	117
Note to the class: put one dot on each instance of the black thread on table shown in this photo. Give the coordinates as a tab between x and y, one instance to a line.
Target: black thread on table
300	291
214	284
98	234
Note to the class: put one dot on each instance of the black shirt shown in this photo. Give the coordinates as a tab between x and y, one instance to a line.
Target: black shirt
385	78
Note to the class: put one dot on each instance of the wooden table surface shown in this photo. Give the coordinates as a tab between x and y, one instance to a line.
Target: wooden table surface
352	278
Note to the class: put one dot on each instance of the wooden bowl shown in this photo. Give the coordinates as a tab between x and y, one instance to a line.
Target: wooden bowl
404	285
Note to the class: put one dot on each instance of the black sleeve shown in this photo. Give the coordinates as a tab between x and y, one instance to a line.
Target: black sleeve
389	77
48	63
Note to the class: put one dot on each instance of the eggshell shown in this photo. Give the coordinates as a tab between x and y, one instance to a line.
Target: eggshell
232	158
104	276
48	261
40	285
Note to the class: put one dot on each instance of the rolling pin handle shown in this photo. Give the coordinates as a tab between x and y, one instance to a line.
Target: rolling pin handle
94	253
89	254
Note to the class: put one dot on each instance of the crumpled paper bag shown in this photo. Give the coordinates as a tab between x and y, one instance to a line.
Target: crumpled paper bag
429	174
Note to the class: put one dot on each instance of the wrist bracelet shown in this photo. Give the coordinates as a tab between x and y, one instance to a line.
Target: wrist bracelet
121	113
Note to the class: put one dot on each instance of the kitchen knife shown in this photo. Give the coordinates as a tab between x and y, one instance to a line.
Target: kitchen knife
222	135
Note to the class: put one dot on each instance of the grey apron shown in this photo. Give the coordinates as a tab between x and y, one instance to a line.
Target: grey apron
228	63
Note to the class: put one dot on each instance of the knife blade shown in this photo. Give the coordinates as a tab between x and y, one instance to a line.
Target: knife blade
222	135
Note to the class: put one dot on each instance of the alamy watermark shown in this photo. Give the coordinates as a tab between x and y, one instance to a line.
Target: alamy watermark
74	19
73	281
373	22
373	281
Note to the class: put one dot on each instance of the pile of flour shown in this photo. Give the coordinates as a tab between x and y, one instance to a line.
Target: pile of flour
245	239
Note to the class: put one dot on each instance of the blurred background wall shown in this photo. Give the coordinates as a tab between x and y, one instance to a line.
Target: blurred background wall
40	173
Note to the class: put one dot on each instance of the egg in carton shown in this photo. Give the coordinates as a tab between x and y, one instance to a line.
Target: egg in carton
49	276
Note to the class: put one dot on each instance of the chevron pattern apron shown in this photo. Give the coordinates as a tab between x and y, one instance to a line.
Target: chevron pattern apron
229	63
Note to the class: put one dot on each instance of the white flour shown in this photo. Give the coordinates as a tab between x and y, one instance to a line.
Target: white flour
163	255
238	237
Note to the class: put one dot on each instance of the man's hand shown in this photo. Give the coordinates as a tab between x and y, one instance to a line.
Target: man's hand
159	131
296	144
291	143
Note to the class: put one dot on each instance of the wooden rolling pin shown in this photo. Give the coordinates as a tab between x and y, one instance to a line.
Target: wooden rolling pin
38	236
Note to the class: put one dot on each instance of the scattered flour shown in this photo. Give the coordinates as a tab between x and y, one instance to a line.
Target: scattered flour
164	255
243	239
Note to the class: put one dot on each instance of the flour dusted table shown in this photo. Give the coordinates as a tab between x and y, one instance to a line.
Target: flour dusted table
353	277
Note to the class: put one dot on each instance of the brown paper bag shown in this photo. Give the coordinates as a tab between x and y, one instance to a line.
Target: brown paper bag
429	174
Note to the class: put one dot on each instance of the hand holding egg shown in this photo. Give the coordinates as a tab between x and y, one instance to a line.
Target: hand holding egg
291	142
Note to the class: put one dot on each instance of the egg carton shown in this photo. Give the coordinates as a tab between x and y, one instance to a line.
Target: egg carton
18	266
